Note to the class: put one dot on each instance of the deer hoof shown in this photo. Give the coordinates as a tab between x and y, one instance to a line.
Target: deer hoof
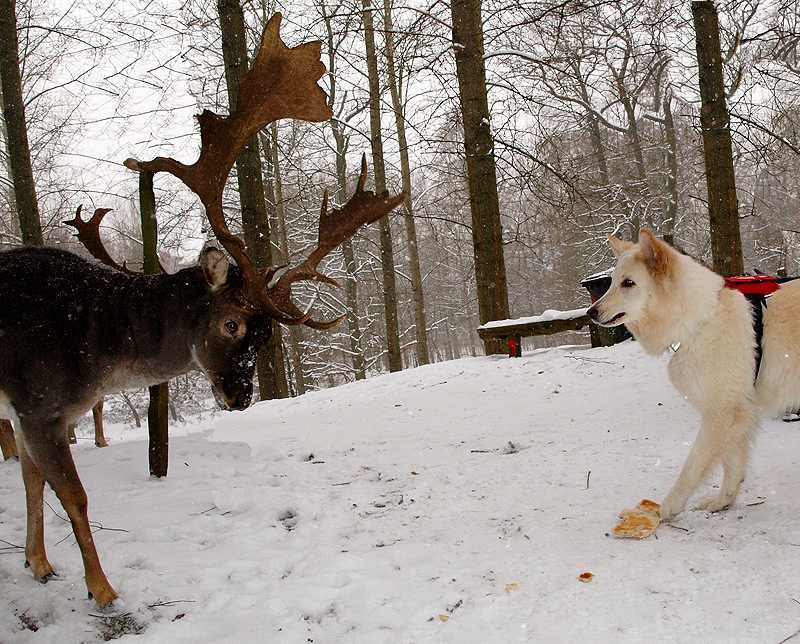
42	574
104	596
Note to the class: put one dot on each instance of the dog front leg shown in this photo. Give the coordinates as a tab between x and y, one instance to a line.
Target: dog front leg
724	434
734	465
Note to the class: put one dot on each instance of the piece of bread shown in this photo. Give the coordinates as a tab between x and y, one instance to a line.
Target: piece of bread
639	522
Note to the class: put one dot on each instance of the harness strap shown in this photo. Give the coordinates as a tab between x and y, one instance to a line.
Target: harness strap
757	302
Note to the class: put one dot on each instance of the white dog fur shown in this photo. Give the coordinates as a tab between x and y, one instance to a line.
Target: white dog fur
670	302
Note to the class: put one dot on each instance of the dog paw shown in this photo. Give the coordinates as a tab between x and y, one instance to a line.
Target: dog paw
671	507
715	503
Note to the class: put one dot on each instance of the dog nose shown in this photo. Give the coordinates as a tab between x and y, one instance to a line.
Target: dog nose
591	312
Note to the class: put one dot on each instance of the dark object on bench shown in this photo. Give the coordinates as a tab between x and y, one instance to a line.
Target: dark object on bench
515	330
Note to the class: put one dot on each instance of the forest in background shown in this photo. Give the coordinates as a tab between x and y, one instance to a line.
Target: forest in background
594	119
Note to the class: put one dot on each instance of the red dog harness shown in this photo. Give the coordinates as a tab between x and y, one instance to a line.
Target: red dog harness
756	288
759	284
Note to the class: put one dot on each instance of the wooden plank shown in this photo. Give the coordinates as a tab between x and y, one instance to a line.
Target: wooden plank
544	327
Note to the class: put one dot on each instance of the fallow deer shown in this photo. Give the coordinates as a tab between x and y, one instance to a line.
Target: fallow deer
72	331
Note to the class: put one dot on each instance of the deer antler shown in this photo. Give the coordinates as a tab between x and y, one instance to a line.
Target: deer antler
89	235
282	83
363	208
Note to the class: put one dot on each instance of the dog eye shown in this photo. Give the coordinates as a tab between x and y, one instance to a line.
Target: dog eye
628	283
231	327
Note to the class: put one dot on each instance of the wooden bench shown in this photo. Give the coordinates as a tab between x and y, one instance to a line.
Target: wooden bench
548	323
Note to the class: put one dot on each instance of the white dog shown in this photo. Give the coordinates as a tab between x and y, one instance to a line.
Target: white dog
670	302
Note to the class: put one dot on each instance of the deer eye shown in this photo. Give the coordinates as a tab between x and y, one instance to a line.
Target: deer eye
628	283
231	326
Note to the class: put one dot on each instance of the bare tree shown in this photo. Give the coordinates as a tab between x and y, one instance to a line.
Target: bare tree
339	130
16	127
417	295
271	370
376	139
723	205
274	190
487	232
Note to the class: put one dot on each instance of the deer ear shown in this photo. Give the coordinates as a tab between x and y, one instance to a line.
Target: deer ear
215	266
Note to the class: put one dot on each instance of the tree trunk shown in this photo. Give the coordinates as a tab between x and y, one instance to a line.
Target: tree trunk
672	172
640	170
418	300
487	232
599	150
351	287
723	206
14	114
270	146
270	363
147	210
387	252
158	410
14	229
137	421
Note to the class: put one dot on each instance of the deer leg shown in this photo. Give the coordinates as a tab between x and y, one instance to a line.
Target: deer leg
8	444
52	456
35	556
97	415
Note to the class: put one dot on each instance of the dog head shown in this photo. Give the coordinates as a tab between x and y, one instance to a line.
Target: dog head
641	273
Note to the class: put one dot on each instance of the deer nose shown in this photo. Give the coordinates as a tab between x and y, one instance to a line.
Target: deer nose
240	401
237	399
234	401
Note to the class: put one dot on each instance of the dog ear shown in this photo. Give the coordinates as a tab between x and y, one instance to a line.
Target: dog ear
618	246
656	252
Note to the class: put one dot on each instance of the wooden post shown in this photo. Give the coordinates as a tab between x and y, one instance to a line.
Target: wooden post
158	428
158	411
723	206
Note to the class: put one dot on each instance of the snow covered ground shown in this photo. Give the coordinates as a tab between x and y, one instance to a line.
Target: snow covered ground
457	502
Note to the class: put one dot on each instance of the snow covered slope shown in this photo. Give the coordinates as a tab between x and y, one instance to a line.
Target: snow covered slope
454	503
